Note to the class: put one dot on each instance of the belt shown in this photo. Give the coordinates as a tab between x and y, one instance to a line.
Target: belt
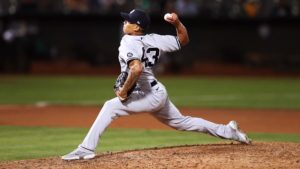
153	83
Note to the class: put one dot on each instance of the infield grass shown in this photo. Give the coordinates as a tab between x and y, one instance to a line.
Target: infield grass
18	143
226	92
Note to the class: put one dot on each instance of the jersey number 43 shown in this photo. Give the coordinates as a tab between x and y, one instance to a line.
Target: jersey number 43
150	56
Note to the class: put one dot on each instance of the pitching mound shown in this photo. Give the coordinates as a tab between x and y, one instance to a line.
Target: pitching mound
257	155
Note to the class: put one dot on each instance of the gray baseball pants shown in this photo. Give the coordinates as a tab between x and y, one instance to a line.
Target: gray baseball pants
154	101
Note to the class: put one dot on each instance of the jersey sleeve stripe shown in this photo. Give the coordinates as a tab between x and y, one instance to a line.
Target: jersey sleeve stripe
178	43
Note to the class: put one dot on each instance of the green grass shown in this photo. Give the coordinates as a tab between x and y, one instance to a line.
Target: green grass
36	142
223	92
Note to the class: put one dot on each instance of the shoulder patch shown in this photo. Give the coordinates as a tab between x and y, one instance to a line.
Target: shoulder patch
129	54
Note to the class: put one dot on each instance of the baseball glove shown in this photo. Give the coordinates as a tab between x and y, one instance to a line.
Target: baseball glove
120	82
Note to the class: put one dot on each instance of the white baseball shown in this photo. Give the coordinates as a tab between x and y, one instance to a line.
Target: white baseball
168	16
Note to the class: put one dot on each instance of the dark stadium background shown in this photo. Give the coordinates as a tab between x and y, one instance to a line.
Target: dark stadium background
236	37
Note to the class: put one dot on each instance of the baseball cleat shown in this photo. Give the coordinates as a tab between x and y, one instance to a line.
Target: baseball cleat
78	154
239	135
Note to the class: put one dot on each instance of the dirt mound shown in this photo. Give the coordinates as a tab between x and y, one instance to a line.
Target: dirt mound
257	155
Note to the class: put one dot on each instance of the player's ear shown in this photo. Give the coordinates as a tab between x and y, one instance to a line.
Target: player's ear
137	28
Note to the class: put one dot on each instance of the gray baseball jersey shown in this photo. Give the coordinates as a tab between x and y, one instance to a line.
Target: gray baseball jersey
153	96
147	49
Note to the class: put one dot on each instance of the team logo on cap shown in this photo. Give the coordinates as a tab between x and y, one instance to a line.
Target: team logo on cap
129	54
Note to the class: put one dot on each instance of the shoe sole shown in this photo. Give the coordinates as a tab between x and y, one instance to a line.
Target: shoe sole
91	156
87	157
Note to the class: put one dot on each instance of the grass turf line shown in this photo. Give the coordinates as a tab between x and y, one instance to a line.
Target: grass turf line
18	143
226	92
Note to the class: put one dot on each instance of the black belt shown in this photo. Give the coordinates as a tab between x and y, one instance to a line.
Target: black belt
153	83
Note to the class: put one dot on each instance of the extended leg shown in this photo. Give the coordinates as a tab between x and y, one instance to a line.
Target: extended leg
171	116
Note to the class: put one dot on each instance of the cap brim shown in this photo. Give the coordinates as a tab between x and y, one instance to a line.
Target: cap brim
125	16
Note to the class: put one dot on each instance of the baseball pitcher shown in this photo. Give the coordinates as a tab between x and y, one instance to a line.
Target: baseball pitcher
138	90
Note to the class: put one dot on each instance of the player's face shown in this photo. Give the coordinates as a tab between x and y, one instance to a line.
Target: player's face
130	29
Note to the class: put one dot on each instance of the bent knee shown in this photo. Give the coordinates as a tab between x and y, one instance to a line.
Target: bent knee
113	108
110	103
109	107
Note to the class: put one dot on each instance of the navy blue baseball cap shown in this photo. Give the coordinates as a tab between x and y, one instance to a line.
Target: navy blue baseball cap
138	17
